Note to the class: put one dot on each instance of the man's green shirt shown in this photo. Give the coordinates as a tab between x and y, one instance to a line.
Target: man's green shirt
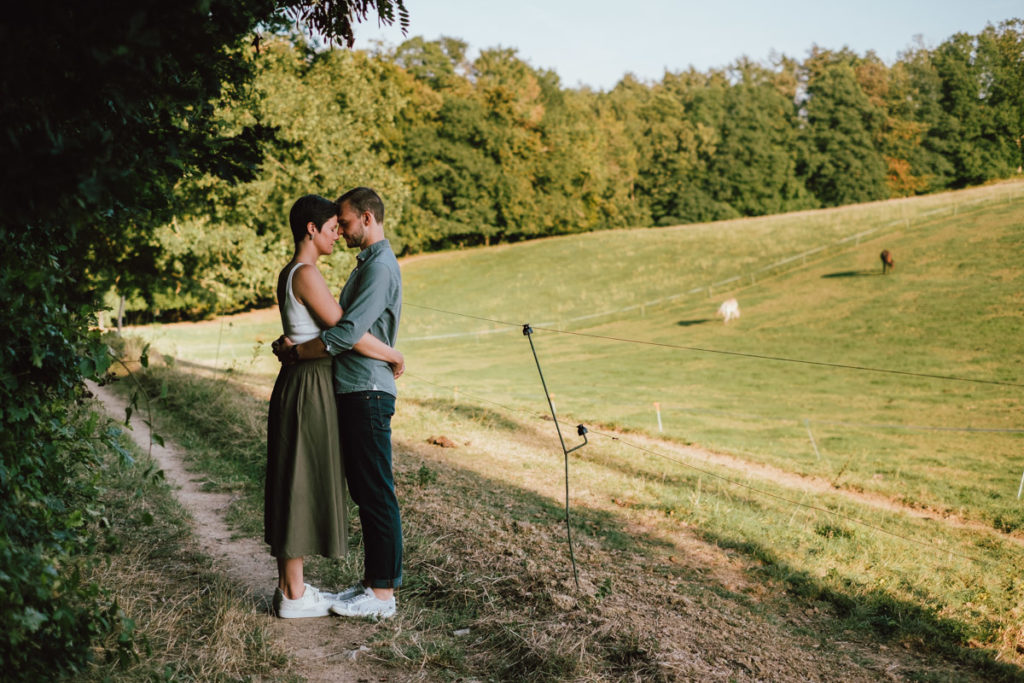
372	302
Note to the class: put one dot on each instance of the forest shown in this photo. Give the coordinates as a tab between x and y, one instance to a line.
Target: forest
490	150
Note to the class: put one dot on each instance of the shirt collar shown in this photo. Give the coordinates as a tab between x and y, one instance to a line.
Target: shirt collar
373	249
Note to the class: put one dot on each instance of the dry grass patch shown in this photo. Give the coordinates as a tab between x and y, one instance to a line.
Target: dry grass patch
705	595
190	622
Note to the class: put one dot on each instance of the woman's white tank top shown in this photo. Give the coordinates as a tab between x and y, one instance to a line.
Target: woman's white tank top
299	325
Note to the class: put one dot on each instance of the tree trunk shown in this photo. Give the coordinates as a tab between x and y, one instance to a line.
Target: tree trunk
120	316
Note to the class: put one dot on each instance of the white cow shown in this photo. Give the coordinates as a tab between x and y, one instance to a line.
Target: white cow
729	309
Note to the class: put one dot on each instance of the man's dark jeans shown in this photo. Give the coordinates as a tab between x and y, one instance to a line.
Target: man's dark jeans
365	422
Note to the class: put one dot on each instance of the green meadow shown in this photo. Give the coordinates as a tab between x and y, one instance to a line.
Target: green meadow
901	393
953	307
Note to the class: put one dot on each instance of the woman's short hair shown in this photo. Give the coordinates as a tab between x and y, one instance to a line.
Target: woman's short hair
310	209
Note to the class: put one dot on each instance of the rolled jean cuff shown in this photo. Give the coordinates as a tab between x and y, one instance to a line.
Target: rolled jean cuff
384	583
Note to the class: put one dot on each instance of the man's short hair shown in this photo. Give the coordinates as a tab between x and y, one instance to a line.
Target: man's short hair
310	209
363	199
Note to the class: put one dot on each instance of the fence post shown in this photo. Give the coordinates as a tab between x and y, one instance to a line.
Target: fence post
580	429
807	424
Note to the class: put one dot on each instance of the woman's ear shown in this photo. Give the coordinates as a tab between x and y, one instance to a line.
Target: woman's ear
311	230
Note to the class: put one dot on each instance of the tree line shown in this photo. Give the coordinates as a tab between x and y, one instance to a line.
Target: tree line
476	152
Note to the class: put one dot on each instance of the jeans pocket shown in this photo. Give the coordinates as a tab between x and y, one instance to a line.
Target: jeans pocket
382	408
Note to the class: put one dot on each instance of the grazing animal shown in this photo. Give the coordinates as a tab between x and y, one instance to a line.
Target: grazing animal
729	309
886	257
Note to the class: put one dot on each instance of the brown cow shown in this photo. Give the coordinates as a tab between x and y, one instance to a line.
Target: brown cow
886	257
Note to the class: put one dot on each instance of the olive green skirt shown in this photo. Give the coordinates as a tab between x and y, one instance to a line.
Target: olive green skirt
305	509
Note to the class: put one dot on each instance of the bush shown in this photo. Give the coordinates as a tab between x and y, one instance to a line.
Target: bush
48	480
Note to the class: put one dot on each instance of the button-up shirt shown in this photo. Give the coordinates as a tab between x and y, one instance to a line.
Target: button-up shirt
372	302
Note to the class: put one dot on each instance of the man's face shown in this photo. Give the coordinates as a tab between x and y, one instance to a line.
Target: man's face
352	226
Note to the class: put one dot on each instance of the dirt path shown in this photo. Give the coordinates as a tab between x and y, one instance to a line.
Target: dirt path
326	649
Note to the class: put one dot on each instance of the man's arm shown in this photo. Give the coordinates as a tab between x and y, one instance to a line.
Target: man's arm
369	346
366	307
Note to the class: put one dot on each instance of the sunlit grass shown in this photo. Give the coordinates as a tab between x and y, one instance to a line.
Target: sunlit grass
954	307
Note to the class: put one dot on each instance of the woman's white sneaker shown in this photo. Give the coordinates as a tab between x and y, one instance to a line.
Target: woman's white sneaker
366	605
313	603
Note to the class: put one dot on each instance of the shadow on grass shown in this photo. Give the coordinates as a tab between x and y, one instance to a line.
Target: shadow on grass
499	511
475	413
873	612
698	321
851	273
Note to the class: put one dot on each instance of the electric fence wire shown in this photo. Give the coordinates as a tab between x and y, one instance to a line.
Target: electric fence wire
742	354
733	482
667	407
752	275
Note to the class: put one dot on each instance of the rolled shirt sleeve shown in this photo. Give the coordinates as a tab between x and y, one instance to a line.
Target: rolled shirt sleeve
372	302
367	301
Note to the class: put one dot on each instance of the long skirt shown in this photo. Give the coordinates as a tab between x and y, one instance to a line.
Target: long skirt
305	509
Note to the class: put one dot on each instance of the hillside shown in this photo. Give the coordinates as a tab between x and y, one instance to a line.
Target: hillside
877	491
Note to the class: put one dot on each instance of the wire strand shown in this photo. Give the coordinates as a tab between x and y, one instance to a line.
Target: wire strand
728	480
741	354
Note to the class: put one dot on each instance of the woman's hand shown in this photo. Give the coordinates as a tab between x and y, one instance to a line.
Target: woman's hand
282	348
398	364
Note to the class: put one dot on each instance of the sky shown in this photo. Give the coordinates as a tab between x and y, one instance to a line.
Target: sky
596	42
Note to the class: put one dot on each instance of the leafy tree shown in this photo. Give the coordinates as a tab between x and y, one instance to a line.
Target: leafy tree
224	247
843	164
917	101
752	168
980	128
106	105
672	149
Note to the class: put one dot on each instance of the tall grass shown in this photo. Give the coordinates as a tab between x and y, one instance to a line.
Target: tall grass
190	622
489	590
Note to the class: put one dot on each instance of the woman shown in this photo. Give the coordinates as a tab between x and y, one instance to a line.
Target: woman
305	510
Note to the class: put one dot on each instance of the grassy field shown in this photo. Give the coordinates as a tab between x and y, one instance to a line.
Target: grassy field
953	307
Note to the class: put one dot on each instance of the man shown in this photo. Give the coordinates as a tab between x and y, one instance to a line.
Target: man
366	392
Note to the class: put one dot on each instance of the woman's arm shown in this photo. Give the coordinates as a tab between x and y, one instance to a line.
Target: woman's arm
371	347
311	289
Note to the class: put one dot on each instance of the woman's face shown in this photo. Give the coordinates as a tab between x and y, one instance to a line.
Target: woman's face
327	236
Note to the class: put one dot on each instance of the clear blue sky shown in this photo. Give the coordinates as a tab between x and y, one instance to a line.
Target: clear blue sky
596	42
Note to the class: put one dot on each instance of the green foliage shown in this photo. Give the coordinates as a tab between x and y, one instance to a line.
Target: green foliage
842	166
100	121
476	152
335	21
47	448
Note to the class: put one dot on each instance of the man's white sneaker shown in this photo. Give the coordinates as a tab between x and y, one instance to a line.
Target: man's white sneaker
313	603
365	604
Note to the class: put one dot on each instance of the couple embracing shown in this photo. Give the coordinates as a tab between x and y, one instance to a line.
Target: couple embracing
331	409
